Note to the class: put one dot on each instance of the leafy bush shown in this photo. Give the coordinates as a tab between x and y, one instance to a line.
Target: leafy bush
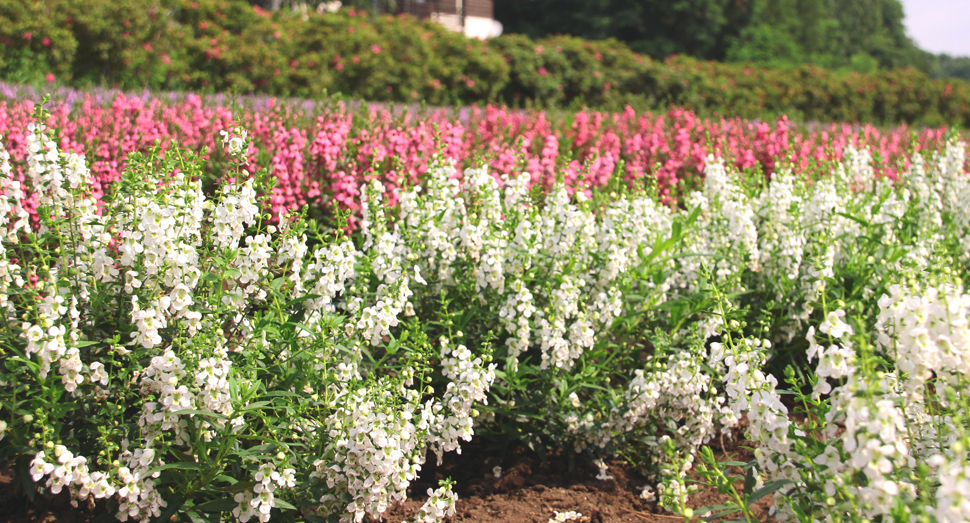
226	45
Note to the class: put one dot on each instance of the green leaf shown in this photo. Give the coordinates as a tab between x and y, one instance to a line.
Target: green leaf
259	449
749	481
255	406
277	283
182	465
173	507
283	505
218	505
721	514
238	487
200	413
281	394
713	508
767	489
192	516
301	299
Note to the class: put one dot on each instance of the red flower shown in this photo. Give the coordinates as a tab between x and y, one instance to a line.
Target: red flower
46	42
28	36
50	78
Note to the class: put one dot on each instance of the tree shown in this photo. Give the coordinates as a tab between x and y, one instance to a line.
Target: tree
658	28
859	34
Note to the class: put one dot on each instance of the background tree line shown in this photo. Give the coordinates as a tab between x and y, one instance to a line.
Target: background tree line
861	35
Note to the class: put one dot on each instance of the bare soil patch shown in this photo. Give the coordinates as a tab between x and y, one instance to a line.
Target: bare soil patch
529	490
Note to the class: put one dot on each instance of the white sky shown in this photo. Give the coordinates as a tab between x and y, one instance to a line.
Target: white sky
939	26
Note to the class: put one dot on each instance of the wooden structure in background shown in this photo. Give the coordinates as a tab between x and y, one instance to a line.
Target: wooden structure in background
474	18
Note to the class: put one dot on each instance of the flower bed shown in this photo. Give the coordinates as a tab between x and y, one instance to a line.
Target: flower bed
177	342
321	154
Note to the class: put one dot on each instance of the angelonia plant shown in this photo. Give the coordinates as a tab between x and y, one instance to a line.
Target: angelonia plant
171	353
172	349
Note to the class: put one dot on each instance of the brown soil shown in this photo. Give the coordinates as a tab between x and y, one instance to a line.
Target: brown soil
530	490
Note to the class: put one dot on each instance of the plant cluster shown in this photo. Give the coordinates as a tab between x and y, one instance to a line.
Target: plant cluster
322	154
227	45
174	349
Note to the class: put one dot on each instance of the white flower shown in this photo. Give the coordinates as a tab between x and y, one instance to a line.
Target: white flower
234	140
834	326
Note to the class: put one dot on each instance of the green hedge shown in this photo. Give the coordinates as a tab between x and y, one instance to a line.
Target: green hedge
226	45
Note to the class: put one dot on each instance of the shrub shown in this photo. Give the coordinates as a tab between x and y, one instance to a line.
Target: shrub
226	45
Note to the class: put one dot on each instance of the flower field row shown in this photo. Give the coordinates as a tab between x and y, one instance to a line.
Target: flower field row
171	347
321	154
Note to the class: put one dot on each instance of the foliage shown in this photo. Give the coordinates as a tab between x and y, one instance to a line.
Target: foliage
860	35
783	33
698	28
946	66
187	352
229	46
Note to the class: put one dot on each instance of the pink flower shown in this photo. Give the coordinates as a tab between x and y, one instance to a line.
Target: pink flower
204	25
50	78
355	59
540	49
165	59
28	36
375	48
542	71
339	66
46	42
470	83
146	46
